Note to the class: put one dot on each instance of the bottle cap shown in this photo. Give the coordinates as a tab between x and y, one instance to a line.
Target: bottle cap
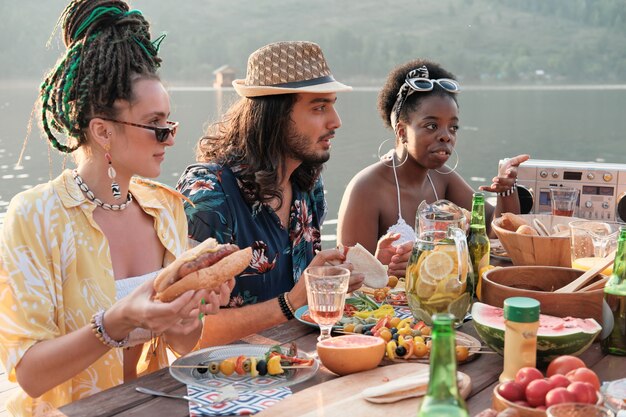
521	309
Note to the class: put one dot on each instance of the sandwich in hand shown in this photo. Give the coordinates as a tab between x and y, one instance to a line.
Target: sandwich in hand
365	263
206	266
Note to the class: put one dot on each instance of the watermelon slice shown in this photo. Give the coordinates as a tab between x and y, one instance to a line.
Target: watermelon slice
556	336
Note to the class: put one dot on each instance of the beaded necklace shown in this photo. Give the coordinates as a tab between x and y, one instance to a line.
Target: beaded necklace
89	194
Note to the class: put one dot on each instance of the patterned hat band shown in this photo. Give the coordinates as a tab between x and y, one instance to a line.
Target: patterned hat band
287	67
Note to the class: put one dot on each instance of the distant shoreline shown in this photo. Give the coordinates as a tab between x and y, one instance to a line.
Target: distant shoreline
183	86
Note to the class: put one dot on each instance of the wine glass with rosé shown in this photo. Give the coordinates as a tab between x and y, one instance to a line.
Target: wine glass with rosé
326	288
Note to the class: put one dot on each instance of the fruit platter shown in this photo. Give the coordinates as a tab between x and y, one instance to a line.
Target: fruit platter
406	339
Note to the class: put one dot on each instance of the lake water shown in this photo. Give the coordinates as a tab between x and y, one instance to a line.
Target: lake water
577	124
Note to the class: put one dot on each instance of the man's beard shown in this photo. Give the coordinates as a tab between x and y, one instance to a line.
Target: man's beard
298	147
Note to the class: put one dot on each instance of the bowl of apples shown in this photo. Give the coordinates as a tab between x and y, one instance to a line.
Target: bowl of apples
567	380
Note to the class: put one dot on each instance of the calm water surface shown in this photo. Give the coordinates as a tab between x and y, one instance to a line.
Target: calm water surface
566	124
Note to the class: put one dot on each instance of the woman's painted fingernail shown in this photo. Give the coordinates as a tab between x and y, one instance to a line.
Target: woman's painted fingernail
202	301
200	316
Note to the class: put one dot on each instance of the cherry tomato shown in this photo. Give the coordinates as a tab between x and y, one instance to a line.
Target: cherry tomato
227	367
536	392
584	375
420	350
559	395
394	321
385	335
527	374
584	392
511	390
559	380
462	353
563	364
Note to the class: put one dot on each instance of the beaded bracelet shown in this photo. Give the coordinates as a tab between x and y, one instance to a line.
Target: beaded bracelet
284	307
98	329
509	191
286	296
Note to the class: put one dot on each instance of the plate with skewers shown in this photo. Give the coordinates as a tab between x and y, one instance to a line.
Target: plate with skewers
244	367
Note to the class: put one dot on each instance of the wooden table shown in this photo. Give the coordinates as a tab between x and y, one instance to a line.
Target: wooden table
125	401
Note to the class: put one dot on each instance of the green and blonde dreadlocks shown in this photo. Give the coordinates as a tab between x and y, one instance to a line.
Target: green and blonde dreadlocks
107	46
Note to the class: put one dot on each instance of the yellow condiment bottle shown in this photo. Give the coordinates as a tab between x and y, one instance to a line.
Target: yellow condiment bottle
521	321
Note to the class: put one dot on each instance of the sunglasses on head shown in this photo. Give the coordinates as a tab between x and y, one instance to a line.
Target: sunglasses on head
426	84
161	133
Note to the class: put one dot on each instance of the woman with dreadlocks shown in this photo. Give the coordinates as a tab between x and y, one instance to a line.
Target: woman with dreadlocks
79	254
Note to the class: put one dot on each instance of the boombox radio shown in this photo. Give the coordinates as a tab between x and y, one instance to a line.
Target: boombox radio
602	187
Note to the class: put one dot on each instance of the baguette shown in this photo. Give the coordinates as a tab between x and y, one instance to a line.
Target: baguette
207	266
512	222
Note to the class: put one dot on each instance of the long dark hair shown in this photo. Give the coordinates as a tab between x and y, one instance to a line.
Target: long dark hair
253	134
108	47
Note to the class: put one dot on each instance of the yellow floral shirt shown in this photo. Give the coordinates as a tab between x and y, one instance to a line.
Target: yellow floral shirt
56	272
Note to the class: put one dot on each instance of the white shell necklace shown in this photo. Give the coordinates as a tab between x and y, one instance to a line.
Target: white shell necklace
89	194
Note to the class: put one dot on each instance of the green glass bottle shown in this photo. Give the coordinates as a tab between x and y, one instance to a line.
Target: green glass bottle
615	296
478	241
442	397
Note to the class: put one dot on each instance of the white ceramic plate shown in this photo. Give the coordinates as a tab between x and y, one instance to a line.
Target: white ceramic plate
191	376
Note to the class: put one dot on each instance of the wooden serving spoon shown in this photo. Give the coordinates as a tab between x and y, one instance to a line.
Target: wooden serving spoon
541	228
589	275
595	285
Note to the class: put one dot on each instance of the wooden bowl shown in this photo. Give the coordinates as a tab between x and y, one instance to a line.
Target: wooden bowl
537	250
499	403
538	282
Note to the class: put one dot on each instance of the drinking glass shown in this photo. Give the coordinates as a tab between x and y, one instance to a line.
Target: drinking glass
578	410
563	201
326	288
591	241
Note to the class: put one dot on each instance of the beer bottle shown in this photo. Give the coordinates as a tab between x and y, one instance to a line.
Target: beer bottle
615	296
478	241
443	398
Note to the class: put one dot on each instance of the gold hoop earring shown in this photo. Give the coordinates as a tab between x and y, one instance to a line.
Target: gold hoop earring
390	155
453	168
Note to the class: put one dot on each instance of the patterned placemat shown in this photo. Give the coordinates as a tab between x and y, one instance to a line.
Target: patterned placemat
248	402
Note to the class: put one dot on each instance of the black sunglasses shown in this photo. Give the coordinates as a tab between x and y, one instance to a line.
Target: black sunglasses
161	133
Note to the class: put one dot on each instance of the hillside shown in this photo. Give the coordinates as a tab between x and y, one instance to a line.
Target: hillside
481	41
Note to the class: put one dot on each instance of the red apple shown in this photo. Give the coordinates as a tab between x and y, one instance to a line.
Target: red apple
584	392
559	395
563	364
584	375
536	392
559	380
527	374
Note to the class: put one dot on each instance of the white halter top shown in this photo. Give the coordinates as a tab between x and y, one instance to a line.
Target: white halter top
406	232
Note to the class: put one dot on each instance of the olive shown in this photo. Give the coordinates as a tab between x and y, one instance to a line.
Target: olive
393	330
358	328
201	369
395	336
261	367
368	333
368	327
400	351
246	365
214	367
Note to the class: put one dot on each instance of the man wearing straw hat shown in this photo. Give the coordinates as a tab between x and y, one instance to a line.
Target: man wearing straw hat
257	183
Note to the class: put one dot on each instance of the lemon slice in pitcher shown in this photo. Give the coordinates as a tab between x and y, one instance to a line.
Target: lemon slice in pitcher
460	306
437	266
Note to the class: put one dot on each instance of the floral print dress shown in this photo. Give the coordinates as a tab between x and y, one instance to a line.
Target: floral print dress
279	255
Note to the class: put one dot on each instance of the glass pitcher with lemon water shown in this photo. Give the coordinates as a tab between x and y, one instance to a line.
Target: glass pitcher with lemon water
439	267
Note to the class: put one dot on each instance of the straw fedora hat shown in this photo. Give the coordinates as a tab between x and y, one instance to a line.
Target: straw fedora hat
287	68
